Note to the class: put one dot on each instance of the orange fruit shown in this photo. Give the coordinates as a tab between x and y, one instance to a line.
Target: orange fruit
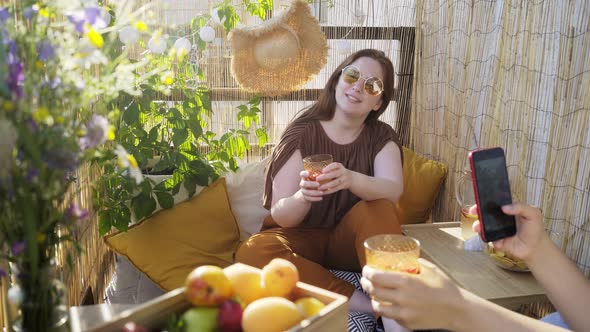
309	306
270	314
279	277
246	282
207	285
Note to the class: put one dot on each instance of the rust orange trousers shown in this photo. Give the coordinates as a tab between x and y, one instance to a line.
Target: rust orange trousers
315	250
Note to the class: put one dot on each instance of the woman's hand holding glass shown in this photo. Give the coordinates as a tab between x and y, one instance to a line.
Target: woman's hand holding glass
334	177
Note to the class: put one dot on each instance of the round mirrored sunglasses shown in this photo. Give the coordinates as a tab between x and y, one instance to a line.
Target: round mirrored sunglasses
373	85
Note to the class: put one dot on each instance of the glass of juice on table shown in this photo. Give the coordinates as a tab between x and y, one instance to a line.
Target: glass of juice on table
393	252
315	163
466	198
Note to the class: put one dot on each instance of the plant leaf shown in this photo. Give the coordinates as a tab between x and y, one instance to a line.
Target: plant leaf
143	205
165	199
131	114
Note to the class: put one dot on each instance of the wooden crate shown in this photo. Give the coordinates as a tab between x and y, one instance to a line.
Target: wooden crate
154	314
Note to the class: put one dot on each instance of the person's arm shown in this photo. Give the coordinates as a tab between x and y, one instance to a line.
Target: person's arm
431	300
477	314
292	194
387	181
566	286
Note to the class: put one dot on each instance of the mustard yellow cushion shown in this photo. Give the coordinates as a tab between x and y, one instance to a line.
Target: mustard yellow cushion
423	179
170	244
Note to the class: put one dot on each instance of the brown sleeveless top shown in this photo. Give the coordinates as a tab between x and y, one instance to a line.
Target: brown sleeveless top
359	156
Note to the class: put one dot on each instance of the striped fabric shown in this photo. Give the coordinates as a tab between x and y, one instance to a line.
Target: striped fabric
358	321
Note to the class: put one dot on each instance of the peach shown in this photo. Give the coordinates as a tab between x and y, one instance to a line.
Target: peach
246	282
279	277
270	314
207	285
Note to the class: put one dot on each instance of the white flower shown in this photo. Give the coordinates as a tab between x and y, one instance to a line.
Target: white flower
89	55
128	162
128	35
15	295
8	137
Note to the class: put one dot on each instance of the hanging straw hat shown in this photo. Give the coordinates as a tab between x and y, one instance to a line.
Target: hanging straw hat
281	54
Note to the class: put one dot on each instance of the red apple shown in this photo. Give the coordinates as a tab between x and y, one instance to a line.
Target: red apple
133	327
207	285
230	316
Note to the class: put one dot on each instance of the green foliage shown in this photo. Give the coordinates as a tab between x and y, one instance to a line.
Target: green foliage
165	129
258	8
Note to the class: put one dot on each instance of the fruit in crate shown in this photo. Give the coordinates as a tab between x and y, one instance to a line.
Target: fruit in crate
207	285
309	306
246	282
270	314
279	277
229	318
133	327
200	319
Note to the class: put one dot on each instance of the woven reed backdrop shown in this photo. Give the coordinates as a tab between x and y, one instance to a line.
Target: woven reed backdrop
514	74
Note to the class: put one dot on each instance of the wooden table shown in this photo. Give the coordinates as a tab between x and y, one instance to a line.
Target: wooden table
442	244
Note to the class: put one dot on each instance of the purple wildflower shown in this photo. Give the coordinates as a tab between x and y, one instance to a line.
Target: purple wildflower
55	83
45	50
3	273
4	14
75	211
18	247
77	21
31	11
97	132
32	175
16	77
32	126
94	17
12	55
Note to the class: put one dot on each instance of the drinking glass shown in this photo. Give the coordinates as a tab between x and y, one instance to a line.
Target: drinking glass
315	163
466	198
393	252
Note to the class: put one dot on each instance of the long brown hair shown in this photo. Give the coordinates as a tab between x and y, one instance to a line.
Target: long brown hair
325	106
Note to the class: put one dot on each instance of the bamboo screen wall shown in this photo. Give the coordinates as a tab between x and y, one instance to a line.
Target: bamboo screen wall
514	74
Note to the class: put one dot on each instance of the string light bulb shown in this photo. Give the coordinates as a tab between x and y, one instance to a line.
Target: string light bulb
157	45
182	45
207	34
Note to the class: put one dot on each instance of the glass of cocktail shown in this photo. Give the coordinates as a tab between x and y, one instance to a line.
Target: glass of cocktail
315	163
393	252
466	198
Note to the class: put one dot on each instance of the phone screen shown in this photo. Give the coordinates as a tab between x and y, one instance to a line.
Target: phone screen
492	191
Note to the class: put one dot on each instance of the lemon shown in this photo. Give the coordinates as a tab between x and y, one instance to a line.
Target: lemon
309	306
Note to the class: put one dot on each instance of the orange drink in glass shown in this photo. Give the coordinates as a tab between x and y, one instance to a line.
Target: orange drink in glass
315	163
467	220
393	252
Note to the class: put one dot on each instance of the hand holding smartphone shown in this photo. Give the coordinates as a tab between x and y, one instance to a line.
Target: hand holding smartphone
492	191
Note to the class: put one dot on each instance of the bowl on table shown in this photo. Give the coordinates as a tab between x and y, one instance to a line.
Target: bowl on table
504	259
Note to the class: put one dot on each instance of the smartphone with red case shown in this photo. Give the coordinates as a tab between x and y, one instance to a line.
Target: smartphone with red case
492	190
